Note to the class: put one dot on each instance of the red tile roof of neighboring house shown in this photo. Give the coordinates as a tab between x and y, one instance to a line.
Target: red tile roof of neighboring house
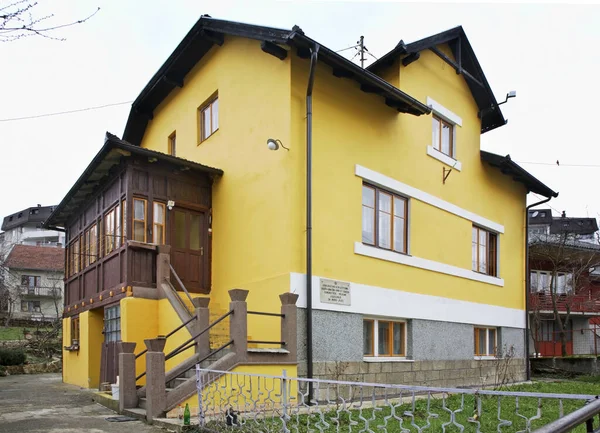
38	258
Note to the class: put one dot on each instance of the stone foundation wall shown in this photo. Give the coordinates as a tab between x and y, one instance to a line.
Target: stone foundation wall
454	373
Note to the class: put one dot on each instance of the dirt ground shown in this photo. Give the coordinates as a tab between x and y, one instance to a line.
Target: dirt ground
42	403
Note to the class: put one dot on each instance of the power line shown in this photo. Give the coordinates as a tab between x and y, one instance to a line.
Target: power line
547	204
558	164
58	113
344	49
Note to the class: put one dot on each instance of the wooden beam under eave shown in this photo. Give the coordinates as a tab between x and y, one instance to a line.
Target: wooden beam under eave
342	73
215	38
274	50
448	60
412	57
369	89
173	81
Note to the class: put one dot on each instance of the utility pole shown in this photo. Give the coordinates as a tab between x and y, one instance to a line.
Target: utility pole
361	44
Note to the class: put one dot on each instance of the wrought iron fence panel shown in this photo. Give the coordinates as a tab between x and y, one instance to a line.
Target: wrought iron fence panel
245	402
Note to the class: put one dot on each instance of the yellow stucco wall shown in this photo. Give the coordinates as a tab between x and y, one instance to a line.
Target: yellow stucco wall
82	367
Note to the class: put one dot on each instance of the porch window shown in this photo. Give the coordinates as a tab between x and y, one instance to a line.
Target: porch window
112	230
541	281
159	215
209	117
31	281
91	243
124	220
74	257
384	219
484	249
139	220
485	341
384	338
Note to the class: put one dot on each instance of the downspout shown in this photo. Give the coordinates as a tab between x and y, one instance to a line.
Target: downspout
314	53
528	284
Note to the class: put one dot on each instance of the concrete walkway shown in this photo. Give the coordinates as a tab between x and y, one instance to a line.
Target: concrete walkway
41	403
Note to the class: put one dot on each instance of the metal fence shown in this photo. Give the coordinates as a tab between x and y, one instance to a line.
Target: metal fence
585	341
245	402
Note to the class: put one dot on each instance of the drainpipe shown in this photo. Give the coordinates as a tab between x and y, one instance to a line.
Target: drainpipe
314	53
528	284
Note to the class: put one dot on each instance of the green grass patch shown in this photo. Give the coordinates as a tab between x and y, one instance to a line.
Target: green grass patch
433	412
18	332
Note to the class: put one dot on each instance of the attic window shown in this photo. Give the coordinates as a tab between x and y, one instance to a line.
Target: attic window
208	114
444	127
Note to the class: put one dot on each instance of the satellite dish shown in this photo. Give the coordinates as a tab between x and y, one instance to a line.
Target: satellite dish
534	214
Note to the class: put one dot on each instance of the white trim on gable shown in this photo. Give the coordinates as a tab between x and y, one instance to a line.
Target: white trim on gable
409	191
434	153
443	112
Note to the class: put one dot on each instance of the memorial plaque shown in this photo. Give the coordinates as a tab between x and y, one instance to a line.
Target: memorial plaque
335	292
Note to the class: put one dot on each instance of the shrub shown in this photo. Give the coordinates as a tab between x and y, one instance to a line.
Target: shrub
12	356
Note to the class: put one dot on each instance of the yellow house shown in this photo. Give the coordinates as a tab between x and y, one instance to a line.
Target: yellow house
256	157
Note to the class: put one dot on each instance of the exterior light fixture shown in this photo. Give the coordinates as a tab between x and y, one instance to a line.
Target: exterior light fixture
274	143
511	94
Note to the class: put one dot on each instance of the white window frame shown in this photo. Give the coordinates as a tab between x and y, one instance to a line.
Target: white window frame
487	341
383	358
442	112
568	288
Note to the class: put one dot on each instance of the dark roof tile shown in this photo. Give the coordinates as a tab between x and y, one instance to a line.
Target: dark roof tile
36	258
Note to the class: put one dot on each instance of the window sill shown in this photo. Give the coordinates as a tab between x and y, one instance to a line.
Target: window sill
209	137
484	358
71	348
430	265
386	359
449	161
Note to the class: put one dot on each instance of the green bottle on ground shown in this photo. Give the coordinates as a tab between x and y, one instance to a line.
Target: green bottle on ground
186	415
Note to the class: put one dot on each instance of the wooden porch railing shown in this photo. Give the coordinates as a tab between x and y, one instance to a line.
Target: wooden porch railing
542	301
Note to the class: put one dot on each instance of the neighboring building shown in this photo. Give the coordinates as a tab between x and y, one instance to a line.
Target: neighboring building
418	240
25	228
564	266
34	281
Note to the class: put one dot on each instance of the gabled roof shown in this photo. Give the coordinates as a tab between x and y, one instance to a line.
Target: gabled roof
508	167
30	215
575	226
468	65
36	258
540	216
208	32
109	156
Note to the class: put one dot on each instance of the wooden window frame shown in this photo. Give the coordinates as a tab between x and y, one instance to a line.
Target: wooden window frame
124	220
491	266
207	105
451	125
477	330
145	220
111	239
37	280
75	331
392	216
163	225
172	144
375	338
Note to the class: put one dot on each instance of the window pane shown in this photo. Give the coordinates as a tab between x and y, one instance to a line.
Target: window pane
368	196
384	338
179	229
399	207
206	122
533	281
117	231
492	259
398	339
139	210
158	234
367	337
385	202
481	342
474	256
435	134
368	225
195	232
385	220
482	259
215	115
446	139
560	283
159	213
399	235
491	342
138	231
544	281
124	217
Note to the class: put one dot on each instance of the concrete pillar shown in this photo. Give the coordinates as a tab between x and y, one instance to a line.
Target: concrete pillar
163	271
238	322
156	394
202	322
127	391
289	324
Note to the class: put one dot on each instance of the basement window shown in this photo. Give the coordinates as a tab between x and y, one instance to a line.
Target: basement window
384	338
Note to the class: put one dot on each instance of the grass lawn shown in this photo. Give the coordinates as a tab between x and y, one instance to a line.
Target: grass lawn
399	418
16	333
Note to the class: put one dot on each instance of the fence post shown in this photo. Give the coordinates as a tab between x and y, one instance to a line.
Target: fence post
127	391
200	390
238	322
289	328
284	395
156	393
202	322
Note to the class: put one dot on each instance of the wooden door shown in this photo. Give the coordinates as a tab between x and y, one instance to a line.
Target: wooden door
189	248
109	359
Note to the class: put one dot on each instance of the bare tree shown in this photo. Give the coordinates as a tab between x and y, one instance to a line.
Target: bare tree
20	18
568	262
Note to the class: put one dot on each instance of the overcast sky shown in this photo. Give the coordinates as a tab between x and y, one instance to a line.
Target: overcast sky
548	53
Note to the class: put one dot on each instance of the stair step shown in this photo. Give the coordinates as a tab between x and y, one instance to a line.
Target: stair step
142	403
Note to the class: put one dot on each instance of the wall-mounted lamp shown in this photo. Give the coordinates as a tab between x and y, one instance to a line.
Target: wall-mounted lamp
511	94
170	204
274	143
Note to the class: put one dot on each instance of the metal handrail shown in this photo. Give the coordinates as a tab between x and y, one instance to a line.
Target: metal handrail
567	423
178	348
181	283
169	334
261	313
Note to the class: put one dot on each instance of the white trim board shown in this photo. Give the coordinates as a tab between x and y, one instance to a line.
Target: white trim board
434	153
443	112
382	302
430	265
409	191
